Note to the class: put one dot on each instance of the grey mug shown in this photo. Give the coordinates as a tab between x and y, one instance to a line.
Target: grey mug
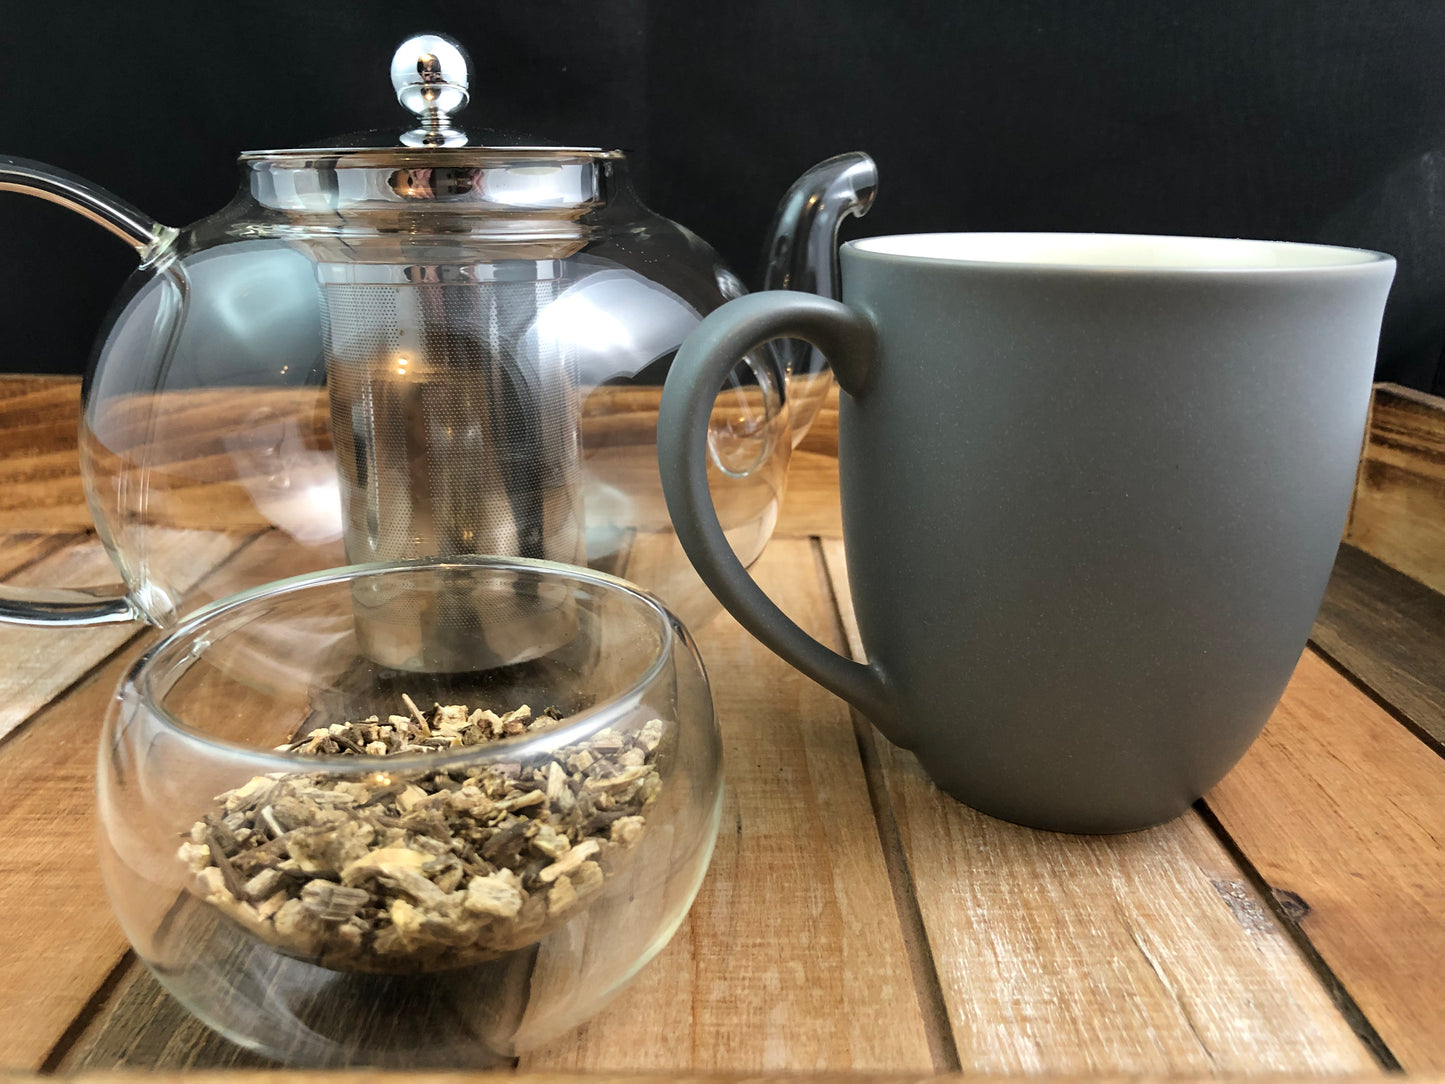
1092	490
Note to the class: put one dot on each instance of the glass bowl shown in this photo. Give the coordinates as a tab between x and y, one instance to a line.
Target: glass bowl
333	861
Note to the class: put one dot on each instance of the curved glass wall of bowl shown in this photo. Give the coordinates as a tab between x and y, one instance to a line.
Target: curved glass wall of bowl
333	861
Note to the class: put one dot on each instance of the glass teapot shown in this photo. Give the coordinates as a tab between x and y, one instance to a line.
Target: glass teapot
421	346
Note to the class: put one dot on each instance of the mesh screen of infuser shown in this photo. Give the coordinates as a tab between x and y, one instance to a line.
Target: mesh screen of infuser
454	421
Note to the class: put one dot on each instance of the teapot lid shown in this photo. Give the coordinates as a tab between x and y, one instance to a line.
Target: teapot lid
431	76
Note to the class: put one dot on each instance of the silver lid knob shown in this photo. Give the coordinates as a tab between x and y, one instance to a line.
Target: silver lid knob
429	74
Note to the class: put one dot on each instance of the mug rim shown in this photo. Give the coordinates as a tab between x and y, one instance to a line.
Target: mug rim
141	675
1062	251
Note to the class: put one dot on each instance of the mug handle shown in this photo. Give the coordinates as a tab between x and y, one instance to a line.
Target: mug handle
709	354
23	606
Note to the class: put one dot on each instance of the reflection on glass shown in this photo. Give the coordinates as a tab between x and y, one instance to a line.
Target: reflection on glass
365	357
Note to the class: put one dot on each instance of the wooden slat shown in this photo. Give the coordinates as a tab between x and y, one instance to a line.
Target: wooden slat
58	921
810	503
42	413
634	409
792	957
1399	507
60	939
822	435
364	1076
1141	953
40	662
40	483
38	413
19	549
1342	811
140	1026
1388	631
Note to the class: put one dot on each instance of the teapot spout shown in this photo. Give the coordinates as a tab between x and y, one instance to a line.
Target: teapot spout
802	254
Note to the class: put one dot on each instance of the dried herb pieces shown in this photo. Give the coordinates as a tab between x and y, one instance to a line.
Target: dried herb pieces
386	873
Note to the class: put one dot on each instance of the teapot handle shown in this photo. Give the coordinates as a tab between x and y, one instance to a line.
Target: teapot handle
802	254
87	606
147	236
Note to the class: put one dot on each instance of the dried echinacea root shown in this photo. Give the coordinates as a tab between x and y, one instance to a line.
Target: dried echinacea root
394	873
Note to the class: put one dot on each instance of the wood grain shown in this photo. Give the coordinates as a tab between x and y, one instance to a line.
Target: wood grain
810	503
41	662
58	920
141	1026
1142	953
39	471
1388	631
822	435
19	549
37	412
792	957
1342	811
1399	508
60	938
363	1076
212	454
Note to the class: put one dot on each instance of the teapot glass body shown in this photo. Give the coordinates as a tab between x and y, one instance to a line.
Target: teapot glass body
389	354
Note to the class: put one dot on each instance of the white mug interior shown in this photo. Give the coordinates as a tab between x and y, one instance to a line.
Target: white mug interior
1115	250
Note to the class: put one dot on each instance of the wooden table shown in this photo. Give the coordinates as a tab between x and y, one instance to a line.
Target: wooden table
853	918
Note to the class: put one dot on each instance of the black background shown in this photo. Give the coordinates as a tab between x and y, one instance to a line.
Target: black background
1319	120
